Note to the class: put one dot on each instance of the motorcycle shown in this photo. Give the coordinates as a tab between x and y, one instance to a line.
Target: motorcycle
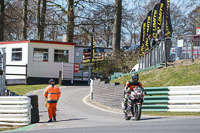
134	104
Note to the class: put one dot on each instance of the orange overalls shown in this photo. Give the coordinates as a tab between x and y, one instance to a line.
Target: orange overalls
52	94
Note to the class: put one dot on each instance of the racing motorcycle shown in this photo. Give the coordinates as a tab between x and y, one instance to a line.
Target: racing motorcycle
134	104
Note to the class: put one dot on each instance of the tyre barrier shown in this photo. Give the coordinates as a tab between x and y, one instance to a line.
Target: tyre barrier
35	109
15	111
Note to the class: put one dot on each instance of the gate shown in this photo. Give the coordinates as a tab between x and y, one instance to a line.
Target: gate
2	71
71	73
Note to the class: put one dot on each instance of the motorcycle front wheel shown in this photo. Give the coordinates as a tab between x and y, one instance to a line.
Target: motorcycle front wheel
137	111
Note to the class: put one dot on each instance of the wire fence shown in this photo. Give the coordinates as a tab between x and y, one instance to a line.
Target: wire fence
170	50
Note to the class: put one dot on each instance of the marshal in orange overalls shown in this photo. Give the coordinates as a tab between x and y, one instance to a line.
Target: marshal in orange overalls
52	94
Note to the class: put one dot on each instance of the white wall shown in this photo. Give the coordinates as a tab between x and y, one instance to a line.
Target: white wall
15	70
48	69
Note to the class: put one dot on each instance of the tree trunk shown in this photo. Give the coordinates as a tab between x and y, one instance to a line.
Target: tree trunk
43	19
117	27
2	7
24	32
70	24
38	20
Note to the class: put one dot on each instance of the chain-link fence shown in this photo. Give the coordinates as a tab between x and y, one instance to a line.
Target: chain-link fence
170	50
185	47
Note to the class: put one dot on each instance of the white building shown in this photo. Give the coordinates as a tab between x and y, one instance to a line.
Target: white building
35	62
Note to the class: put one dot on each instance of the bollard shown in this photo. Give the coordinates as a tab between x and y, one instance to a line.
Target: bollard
35	109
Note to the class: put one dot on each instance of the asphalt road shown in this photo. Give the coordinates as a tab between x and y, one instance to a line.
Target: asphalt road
73	116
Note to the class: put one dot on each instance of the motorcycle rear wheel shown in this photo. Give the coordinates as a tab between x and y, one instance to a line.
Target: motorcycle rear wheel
126	116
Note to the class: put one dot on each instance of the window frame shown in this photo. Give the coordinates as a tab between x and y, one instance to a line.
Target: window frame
43	53
15	53
61	54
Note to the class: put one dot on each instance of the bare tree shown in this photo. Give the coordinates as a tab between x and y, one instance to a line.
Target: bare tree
70	24
41	18
117	27
194	18
38	20
25	12
2	20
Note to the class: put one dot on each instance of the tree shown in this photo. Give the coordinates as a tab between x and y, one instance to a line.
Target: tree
117	27
41	19
194	18
38	20
70	24
25	12
2	20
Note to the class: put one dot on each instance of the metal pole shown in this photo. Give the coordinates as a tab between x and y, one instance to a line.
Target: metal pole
89	74
192	49
165	52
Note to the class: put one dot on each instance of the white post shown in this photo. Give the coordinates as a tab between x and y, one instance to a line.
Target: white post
91	89
72	75
62	71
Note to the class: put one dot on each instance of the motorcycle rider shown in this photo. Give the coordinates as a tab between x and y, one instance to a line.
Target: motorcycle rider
130	85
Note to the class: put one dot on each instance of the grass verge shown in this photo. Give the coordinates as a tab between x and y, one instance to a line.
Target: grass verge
181	75
23	89
171	113
5	129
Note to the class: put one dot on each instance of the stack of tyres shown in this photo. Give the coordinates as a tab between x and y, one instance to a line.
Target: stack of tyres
35	109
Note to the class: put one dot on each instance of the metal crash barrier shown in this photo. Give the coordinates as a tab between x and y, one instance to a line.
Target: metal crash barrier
172	99
15	111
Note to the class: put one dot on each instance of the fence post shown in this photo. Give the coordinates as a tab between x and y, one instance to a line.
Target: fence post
91	89
62	71
72	76
60	78
192	49
26	80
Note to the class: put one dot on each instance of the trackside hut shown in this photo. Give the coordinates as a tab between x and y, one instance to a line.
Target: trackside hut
34	62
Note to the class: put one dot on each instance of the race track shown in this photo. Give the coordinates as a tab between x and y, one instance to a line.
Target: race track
73	116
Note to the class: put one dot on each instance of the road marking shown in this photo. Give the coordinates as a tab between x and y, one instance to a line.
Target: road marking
97	107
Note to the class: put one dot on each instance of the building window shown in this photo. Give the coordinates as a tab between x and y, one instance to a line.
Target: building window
61	56
40	54
17	54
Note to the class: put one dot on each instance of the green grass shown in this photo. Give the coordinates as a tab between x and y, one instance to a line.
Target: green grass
181	75
23	89
171	113
5	129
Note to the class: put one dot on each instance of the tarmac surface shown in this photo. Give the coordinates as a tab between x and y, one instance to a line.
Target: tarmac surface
75	115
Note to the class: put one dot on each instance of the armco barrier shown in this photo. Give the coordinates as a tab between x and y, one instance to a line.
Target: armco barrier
15	111
172	99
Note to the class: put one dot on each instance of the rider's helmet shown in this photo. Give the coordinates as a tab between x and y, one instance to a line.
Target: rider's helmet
135	78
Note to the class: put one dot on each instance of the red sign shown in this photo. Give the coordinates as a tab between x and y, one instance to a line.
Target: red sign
76	67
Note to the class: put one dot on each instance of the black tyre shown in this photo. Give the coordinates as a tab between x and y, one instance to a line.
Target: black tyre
137	112
126	116
35	109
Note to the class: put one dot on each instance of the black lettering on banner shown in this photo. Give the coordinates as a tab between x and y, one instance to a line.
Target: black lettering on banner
154	21
148	24
142	37
167	20
160	14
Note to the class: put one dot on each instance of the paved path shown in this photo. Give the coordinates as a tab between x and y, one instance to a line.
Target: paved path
73	116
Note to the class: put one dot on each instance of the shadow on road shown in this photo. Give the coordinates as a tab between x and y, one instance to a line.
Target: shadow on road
151	118
75	119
